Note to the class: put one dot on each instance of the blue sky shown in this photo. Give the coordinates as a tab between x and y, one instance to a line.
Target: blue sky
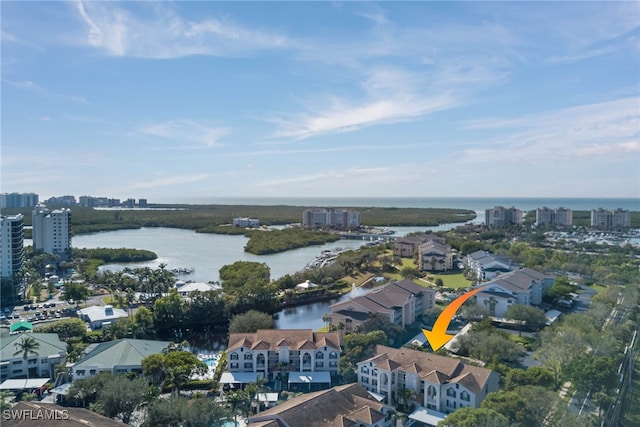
181	100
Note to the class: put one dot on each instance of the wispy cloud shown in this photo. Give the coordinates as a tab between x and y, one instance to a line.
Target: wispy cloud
184	130
34	87
600	130
389	95
343	116
6	37
163	34
170	181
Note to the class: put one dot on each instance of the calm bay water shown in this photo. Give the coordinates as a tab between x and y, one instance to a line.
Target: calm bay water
207	253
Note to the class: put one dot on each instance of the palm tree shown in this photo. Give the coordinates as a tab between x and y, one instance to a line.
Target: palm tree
175	378
26	347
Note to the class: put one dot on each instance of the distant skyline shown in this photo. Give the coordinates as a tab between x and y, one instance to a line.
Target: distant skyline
171	101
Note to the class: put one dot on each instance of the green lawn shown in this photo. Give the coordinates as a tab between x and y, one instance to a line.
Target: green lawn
451	280
599	288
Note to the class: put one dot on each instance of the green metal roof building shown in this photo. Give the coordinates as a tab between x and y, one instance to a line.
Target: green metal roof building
119	356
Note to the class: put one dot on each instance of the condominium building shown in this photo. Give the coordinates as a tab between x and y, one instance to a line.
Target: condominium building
406	247
434	256
12	246
51	230
41	364
486	266
438	383
500	216
560	216
525	286
330	218
610	219
300	352
18	200
11	255
246	222
400	301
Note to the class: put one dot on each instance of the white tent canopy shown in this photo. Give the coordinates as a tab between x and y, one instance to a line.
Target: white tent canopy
18	384
309	377
238	377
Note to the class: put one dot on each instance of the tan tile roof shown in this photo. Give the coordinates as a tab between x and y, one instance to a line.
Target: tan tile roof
335	407
342	421
412	367
367	415
468	381
260	345
387	365
271	339
434	377
434	367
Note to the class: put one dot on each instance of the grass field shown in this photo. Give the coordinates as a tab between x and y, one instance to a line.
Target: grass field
599	288
451	280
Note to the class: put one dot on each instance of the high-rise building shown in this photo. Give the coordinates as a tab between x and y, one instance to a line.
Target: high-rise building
51	230
11	255
499	216
18	200
610	219
330	218
561	216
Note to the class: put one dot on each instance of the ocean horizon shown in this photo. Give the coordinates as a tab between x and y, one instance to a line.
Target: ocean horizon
472	203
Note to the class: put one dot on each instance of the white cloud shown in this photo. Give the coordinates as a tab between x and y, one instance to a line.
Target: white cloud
170	181
186	131
163	34
341	115
600	130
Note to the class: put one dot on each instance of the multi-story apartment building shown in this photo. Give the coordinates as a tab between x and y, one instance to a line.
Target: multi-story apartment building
486	266
51	352
439	383
330	218
434	256
401	301
61	201
407	246
51	230
524	286
11	255
296	351
246	222
500	216
561	217
18	200
610	219
142	203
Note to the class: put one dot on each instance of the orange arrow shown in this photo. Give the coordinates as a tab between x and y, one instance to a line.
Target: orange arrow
438	336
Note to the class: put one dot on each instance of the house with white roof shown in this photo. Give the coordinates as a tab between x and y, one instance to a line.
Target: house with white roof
524	286
119	356
50	352
101	315
185	290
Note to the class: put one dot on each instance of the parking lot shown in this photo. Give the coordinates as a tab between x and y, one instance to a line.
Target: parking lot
35	313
